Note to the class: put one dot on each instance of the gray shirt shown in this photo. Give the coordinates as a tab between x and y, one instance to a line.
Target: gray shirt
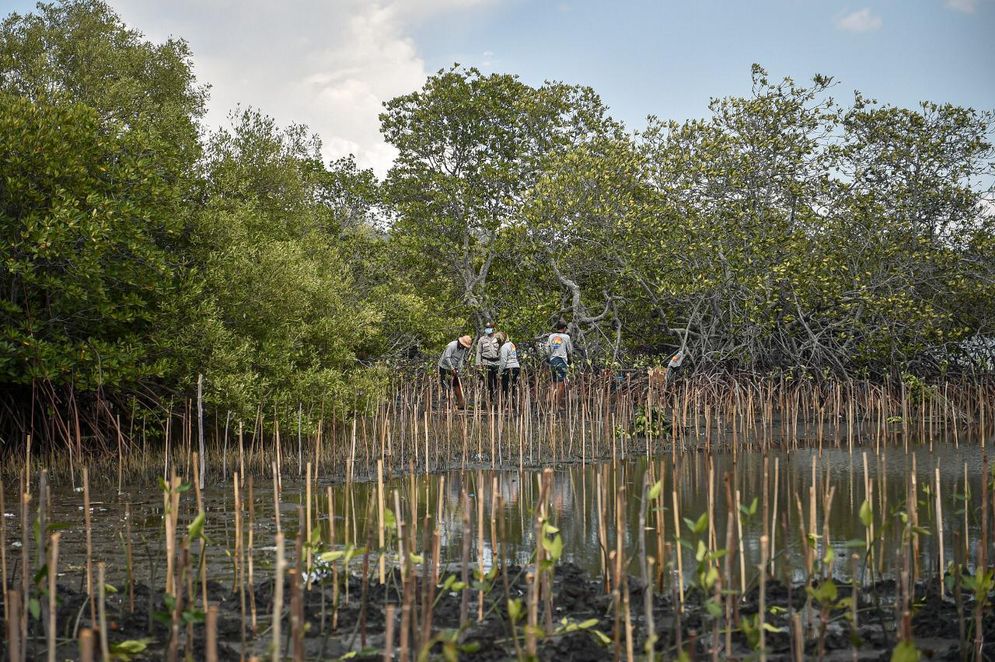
454	356
558	346
487	350
509	357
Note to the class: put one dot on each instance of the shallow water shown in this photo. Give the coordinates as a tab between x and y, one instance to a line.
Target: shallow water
574	509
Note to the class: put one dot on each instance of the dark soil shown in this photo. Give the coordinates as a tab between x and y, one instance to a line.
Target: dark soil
577	597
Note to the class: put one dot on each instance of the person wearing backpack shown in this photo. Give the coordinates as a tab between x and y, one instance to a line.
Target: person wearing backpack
558	350
488	357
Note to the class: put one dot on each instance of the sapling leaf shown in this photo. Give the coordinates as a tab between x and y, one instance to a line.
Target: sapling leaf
193	616
196	527
866	514
905	651
124	650
553	547
750	510
332	556
514	610
40	574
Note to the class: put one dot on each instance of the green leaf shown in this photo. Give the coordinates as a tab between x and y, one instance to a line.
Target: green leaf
193	616
553	547
34	607
825	593
866	514
656	489
125	650
905	651
514	610
196	527
332	556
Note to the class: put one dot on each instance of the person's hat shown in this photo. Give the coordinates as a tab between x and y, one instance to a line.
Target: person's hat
466	341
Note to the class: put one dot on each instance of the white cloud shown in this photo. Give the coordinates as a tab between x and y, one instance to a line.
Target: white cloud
966	6
329	65
861	20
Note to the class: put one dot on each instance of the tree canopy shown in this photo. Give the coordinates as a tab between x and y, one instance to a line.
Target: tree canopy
785	231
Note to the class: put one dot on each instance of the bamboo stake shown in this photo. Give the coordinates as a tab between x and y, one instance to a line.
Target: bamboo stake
86	645
280	567
307	488
250	550
3	554
53	574
87	523
211	638
678	549
762	600
939	531
105	650
381	537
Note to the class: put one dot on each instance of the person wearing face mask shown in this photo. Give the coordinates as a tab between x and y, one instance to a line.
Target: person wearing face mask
508	367
488	357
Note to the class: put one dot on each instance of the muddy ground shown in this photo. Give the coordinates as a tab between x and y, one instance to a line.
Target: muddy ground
578	599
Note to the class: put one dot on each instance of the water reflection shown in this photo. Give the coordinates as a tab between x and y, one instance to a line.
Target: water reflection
579	498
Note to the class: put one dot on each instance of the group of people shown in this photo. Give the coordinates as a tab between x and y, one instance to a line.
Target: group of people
497	357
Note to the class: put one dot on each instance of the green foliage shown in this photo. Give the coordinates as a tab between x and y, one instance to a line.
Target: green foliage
86	271
905	651
650	422
128	649
785	231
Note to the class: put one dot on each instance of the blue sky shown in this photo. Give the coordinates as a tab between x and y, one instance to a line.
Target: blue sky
668	58
330	64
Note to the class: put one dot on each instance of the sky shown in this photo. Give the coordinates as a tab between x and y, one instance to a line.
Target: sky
330	64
